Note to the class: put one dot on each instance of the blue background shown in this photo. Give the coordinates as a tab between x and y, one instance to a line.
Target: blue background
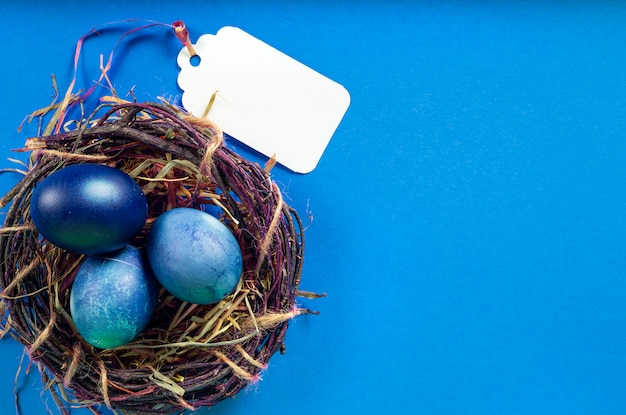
468	214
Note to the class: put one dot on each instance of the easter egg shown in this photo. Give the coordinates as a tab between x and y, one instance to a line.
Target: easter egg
194	256
88	208
113	297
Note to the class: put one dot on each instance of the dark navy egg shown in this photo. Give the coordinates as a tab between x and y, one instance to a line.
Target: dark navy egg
89	208
194	256
113	297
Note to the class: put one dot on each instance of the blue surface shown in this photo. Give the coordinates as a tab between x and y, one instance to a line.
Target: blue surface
468	213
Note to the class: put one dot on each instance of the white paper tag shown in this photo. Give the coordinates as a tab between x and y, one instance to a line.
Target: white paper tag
265	99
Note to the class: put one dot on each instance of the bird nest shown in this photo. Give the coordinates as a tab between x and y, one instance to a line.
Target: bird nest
190	355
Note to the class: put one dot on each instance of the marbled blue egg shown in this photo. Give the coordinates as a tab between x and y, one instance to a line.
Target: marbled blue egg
194	256
113	297
88	208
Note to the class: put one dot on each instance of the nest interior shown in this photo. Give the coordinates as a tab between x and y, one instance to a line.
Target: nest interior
190	356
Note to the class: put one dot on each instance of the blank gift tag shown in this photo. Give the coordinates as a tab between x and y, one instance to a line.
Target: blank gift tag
262	97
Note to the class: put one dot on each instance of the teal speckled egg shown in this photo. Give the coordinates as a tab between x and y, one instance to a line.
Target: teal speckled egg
113	297
194	256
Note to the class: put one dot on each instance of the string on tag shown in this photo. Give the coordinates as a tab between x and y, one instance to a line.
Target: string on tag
183	35
70	98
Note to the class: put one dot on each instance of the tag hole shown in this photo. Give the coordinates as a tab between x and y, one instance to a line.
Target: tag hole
195	60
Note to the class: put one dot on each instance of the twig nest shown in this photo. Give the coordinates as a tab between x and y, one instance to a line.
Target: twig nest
189	355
